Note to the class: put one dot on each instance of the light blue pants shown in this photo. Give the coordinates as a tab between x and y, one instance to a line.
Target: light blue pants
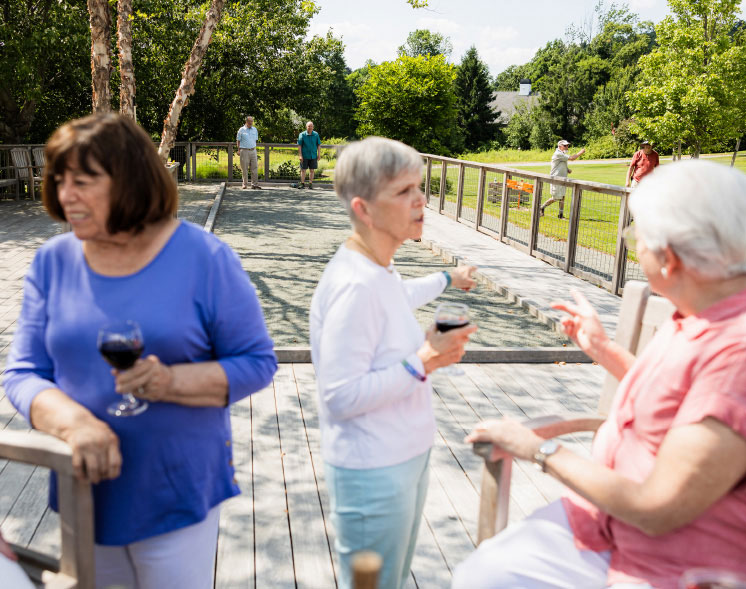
378	509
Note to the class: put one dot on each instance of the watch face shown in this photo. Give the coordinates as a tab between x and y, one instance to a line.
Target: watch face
549	447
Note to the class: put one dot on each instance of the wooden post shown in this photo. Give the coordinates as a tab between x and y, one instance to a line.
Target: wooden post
230	162
533	232
428	175
505	205
620	254
443	181
480	197
366	565
266	163
194	163
76	525
572	236
460	191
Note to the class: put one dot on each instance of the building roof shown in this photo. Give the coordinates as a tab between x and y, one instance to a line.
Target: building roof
507	102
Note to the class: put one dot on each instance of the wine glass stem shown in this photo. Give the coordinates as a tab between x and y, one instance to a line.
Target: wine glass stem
130	399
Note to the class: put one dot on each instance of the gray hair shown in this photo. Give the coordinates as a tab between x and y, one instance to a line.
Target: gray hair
698	209
366	166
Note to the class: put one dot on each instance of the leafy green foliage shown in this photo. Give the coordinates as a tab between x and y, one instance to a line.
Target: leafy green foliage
423	42
691	87
44	67
476	119
412	100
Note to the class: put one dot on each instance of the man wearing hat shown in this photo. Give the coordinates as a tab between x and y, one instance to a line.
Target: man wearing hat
560	170
643	162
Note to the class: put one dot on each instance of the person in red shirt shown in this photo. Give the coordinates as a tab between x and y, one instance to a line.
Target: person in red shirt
665	487
643	162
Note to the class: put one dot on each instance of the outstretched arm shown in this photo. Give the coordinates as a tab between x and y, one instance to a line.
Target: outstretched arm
585	329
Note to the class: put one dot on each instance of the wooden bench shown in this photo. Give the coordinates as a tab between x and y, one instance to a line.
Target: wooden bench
521	192
25	170
640	317
75	569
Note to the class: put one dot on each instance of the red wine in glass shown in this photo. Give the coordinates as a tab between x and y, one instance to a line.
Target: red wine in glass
450	316
121	344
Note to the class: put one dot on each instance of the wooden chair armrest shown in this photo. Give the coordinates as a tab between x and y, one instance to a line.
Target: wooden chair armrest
35	447
494	499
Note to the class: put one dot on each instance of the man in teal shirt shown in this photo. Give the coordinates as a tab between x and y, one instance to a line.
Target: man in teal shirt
309	148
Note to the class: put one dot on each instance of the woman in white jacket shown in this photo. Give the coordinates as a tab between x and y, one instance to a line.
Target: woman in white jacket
372	360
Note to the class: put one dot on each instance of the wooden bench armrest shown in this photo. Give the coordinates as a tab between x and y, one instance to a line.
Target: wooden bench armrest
495	493
35	447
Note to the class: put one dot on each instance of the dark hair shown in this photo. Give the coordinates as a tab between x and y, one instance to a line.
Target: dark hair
142	192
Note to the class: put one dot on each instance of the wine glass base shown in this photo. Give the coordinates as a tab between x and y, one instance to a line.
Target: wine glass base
123	409
451	370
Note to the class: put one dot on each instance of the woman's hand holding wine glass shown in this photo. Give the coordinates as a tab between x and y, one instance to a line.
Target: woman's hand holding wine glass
148	379
121	344
445	346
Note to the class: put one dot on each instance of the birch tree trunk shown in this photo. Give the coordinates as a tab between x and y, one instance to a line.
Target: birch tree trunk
126	68
100	54
735	152
186	88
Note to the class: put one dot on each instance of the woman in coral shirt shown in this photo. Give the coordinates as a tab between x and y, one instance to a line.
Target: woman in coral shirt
666	488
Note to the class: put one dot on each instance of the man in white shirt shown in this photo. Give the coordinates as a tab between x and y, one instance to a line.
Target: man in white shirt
246	139
560	170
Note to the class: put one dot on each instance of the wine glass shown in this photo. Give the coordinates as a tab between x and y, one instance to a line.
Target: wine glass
450	316
121	344
705	578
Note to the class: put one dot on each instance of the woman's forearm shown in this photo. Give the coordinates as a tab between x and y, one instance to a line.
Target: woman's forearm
615	359
54	413
200	384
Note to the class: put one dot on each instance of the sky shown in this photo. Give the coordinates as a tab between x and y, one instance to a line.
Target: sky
505	32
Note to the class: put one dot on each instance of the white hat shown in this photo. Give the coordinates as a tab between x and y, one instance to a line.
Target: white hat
562	142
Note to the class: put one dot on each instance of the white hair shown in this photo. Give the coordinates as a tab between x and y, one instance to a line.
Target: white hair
364	167
698	209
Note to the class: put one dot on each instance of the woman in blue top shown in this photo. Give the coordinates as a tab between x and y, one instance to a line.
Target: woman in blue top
158	476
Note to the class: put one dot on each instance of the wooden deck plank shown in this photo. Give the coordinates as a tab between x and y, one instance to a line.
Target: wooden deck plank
313	566
27	511
273	556
235	558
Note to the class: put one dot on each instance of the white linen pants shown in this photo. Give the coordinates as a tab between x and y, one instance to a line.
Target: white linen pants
536	553
182	559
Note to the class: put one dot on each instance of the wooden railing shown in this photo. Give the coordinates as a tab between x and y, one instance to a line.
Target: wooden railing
505	203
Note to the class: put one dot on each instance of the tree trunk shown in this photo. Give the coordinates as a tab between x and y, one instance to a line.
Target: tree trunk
126	68
186	88
679	151
100	54
735	152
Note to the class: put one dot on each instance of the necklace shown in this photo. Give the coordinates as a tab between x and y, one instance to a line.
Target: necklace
368	252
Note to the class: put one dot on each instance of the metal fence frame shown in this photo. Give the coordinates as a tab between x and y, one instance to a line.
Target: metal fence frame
621	264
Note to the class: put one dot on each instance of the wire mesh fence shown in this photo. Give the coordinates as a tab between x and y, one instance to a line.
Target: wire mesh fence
538	213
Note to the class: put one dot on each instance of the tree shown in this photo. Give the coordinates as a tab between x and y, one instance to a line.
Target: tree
423	42
44	66
412	100
687	85
476	119
100	19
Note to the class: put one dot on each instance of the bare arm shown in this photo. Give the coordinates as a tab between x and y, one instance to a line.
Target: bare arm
630	171
95	446
585	329
696	465
577	155
198	384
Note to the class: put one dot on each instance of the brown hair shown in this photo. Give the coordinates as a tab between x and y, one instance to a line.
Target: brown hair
142	192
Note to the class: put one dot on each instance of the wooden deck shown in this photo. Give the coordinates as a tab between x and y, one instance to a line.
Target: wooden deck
277	533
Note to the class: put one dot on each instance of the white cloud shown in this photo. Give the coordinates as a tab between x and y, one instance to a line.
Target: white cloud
362	41
444	26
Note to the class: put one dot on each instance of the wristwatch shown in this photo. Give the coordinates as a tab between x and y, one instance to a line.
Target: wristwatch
547	448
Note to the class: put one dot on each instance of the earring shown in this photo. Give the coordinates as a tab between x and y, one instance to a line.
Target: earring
664	272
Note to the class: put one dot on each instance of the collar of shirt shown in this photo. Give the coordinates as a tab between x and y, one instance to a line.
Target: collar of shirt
695	325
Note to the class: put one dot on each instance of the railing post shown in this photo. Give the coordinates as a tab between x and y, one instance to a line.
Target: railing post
428	175
620	255
504	207
460	191
480	197
572	236
266	163
534	229
230	162
194	163
443	180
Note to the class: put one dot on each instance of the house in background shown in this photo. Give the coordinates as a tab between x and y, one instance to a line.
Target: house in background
506	103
